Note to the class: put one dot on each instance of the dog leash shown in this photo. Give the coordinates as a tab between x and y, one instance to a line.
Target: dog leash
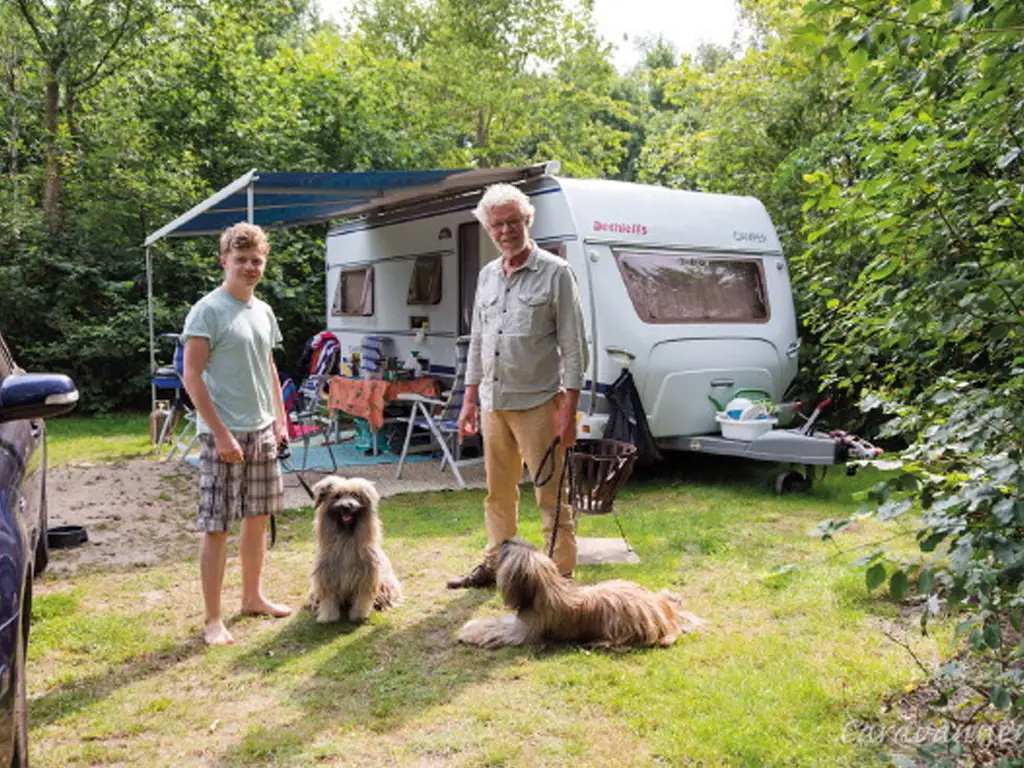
549	459
284	453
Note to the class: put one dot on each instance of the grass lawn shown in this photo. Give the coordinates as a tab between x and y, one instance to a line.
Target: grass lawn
117	674
97	438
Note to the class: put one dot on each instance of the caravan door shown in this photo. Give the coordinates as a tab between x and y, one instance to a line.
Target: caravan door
475	250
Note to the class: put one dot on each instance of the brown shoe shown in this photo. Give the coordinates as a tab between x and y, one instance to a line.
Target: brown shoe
481	576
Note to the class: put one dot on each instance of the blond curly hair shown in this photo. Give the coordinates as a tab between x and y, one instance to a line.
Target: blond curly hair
243	237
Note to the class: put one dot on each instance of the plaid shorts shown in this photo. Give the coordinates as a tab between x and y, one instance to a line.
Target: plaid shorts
229	492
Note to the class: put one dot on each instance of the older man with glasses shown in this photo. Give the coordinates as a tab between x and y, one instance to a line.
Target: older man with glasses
527	355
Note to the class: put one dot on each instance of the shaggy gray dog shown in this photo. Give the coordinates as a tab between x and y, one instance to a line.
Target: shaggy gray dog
550	607
351	572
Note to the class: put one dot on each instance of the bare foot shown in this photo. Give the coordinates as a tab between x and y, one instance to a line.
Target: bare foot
263	607
216	633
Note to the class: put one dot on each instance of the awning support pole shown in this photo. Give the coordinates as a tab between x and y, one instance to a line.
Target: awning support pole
152	335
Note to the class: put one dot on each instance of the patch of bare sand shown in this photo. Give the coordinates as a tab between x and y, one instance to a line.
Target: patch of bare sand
138	512
141	512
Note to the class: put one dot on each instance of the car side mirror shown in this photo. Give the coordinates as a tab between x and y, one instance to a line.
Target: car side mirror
36	396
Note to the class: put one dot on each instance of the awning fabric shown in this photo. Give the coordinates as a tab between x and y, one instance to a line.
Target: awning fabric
275	200
293	199
290	199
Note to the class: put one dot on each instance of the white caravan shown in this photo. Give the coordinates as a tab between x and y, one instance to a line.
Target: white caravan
691	289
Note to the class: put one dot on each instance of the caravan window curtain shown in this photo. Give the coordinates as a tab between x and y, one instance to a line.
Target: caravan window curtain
694	287
425	282
354	295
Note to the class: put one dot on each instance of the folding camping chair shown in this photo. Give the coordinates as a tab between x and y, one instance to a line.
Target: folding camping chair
374	354
440	418
306	419
320	358
306	403
170	377
320	355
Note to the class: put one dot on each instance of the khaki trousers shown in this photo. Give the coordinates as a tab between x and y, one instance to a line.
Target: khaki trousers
510	438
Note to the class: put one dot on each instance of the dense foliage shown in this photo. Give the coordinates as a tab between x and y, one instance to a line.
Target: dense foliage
915	229
886	139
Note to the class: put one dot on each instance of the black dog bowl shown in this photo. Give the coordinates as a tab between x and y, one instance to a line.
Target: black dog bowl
65	536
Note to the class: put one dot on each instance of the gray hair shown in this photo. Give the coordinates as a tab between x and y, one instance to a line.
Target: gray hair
502	194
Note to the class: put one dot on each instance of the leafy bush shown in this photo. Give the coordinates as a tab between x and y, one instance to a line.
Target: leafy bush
915	229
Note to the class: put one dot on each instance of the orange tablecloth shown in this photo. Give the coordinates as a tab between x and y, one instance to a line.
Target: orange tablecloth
366	398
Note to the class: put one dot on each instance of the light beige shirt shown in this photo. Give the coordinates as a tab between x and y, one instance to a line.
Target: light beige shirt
527	340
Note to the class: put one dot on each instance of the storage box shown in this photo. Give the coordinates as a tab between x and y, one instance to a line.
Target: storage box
751	429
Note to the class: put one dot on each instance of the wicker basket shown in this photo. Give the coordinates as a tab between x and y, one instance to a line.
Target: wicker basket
597	469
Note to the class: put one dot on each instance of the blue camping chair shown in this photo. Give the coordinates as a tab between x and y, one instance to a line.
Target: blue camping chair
169	377
374	352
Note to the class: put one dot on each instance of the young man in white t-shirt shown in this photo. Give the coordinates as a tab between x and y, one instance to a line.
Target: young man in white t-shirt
230	375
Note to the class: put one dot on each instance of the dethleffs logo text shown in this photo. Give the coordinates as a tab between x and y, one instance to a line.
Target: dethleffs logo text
620	228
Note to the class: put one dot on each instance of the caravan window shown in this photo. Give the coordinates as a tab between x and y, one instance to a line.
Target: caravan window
694	288
354	295
425	283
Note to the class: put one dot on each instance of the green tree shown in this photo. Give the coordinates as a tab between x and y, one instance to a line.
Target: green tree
501	81
79	43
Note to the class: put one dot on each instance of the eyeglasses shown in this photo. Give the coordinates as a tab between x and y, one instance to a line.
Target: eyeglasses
515	223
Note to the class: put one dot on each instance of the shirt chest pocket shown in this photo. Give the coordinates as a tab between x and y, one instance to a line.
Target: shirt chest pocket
532	313
490	311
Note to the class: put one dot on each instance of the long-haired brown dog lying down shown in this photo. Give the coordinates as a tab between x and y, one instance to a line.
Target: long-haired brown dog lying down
552	608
